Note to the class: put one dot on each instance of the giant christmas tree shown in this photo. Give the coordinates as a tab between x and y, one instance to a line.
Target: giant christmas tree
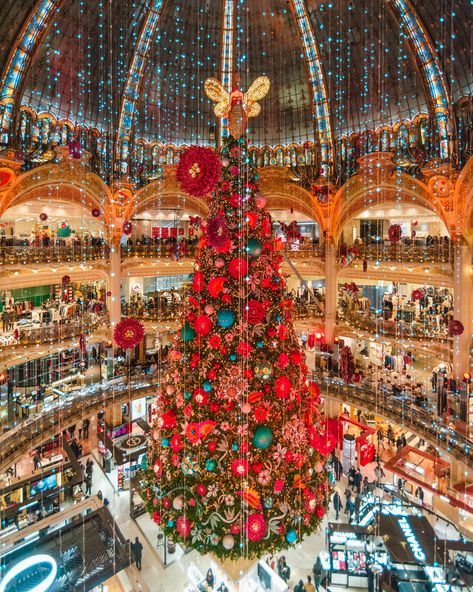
233	466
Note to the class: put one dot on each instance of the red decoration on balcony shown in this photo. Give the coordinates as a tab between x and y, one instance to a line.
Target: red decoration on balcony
455	328
66	279
95	212
199	171
395	233
347	364
43	216
127	228
417	294
128	333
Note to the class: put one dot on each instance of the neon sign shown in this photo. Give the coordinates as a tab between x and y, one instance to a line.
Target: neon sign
27	564
410	538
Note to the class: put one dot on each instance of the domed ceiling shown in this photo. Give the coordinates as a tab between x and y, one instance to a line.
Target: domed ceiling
373	75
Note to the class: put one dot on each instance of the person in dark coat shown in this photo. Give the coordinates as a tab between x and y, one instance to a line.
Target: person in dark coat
337	504
137	549
358	480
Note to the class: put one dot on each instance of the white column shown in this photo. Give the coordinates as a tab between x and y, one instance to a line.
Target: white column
462	309
114	285
331	291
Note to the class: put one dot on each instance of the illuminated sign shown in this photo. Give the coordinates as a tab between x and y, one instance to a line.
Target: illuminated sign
410	538
27	564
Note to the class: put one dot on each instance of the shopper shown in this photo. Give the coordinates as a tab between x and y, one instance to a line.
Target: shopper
399	443
403	440
89	467
309	586
391	434
137	549
88	485
380	435
209	579
351	477
358	480
299	587
80	428
85	426
379	473
36	461
317	571
420	494
337	503
347	498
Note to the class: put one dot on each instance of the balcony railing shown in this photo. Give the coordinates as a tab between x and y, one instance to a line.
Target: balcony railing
377	325
27	254
89	400
160	251
423	422
54	331
403	253
171	312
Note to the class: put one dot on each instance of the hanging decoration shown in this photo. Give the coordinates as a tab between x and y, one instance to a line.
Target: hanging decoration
75	149
128	333
127	228
346	260
43	216
417	294
235	413
394	233
365	265
347	364
66	279
195	222
455	328
291	232
237	106
95	212
199	171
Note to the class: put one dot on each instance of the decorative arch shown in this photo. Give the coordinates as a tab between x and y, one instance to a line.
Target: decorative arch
379	179
280	191
86	189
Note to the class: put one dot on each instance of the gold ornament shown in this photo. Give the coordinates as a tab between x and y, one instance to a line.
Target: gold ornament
237	106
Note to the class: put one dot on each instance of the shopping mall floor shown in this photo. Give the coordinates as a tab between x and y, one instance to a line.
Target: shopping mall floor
155	578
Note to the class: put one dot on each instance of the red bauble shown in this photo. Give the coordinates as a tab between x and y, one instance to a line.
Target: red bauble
66	279
395	233
127	228
203	325
283	387
417	294
95	212
43	216
199	171
455	328
320	511
128	333
238	268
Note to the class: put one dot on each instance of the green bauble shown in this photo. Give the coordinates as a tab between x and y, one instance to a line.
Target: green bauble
262	437
254	247
187	333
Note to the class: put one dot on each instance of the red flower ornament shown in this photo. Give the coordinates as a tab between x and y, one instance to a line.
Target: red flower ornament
128	333
199	171
255	527
255	312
